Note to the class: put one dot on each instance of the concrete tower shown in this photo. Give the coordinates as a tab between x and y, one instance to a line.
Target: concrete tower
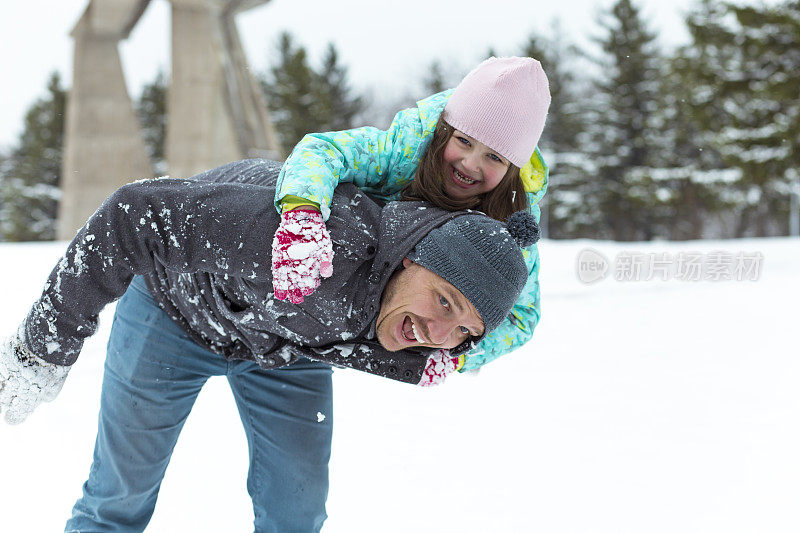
216	112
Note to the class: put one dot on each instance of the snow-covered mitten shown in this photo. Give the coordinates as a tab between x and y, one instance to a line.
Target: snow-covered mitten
440	365
26	380
301	252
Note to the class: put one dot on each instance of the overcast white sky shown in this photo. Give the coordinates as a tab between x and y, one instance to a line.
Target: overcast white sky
386	44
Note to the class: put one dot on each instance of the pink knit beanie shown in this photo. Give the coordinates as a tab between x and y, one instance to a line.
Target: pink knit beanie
503	104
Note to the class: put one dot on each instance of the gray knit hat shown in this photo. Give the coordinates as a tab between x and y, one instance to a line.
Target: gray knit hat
482	258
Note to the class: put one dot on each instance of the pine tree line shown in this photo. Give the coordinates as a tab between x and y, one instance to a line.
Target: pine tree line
31	174
703	142
699	142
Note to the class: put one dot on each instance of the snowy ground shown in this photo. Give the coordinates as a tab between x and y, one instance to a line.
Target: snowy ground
653	406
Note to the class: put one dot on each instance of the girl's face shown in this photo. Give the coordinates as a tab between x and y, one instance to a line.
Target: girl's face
471	167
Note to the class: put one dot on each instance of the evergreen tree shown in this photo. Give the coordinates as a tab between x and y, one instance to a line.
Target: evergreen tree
763	137
623	133
685	201
434	82
695	180
336	108
565	208
152	112
31	176
290	92
302	100
741	78
4	211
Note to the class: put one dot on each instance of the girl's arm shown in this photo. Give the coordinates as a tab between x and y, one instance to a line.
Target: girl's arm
518	328
379	162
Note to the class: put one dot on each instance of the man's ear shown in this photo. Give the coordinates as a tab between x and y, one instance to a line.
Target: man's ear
407	262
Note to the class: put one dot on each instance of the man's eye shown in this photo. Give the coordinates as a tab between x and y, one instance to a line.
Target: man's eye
444	302
464	330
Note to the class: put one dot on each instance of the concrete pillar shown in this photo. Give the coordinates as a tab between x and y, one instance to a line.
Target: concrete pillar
215	107
103	146
216	111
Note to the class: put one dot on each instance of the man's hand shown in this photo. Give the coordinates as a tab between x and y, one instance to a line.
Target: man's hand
26	380
301	253
440	365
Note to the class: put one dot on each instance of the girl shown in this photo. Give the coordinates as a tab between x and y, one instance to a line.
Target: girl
471	147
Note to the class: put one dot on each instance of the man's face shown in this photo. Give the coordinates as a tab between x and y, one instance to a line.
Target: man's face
420	308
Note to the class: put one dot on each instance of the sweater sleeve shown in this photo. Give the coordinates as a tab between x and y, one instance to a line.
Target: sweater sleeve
518	328
185	225
378	162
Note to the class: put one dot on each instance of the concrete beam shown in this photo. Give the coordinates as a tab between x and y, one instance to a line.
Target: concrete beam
103	146
111	18
217	113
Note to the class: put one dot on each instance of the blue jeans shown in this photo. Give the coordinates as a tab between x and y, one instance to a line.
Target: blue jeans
153	374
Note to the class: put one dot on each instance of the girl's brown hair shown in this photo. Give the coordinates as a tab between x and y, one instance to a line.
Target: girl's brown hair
429	183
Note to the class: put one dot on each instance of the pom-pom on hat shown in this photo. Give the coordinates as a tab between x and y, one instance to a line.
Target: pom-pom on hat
523	227
502	103
482	258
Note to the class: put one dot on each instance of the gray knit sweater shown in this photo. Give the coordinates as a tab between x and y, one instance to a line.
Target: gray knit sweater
204	247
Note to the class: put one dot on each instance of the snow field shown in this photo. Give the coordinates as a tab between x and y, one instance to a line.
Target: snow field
656	406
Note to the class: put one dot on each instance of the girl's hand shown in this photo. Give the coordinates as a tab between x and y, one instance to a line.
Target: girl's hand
301	252
440	365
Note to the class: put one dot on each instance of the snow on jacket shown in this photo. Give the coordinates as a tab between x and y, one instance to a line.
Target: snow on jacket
382	163
203	246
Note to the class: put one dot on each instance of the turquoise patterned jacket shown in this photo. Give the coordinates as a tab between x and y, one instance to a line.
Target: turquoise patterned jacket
381	163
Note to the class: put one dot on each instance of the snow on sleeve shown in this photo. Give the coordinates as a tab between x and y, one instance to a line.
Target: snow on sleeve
138	225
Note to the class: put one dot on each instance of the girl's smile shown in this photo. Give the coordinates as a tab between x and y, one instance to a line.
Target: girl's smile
462	180
472	167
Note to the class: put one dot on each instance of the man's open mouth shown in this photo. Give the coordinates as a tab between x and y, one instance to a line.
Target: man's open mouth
409	331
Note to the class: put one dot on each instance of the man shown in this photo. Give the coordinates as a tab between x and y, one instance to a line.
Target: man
412	287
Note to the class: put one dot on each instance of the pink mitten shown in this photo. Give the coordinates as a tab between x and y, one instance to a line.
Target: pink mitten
440	365
301	253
